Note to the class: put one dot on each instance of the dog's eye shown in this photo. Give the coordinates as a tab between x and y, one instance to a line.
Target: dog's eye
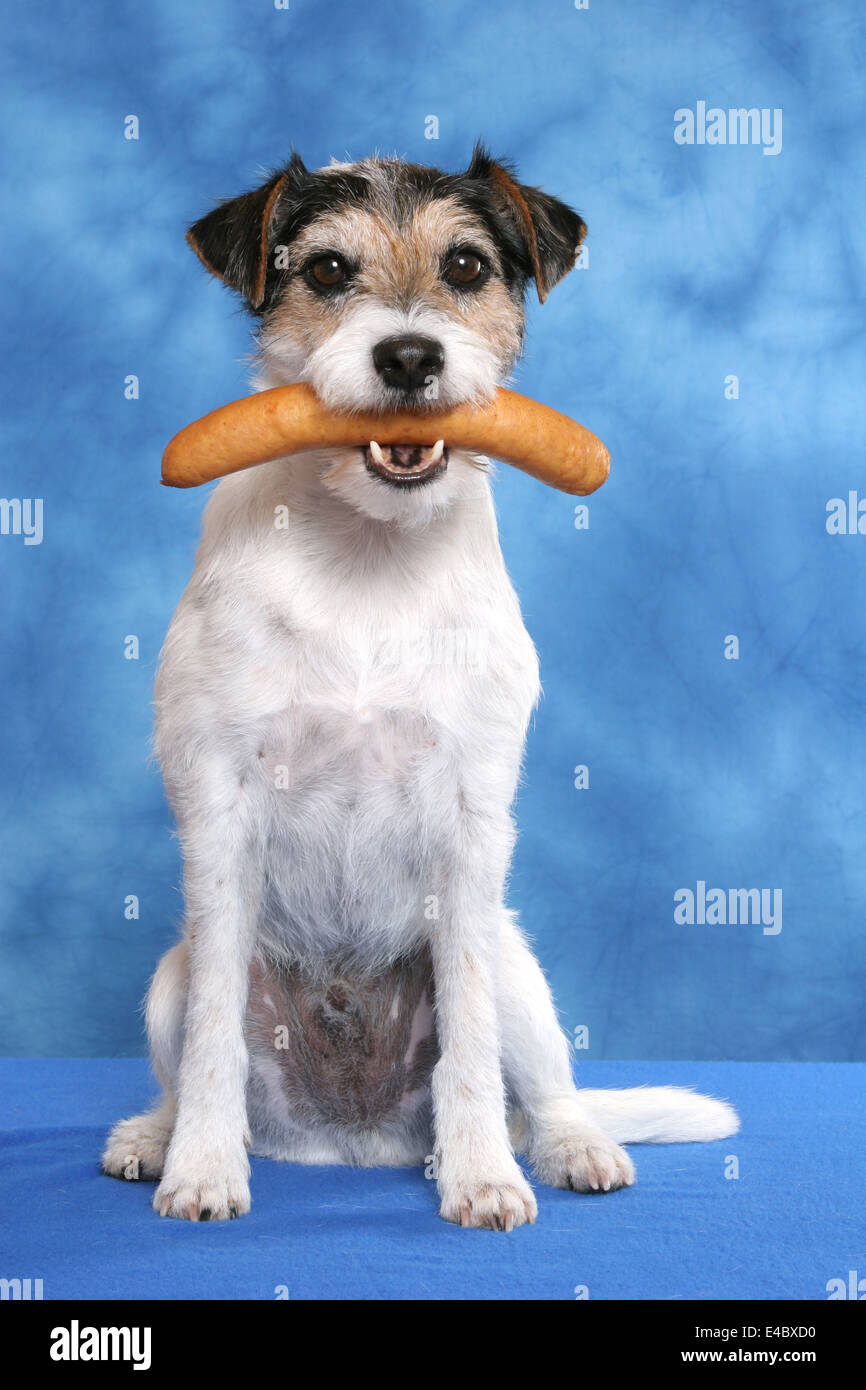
464	268
327	271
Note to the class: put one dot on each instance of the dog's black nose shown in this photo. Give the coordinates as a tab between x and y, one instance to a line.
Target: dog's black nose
408	363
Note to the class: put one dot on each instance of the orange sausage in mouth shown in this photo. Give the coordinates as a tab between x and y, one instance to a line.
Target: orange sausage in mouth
291	419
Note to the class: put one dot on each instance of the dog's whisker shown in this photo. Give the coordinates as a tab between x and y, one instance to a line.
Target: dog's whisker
338	469
478	461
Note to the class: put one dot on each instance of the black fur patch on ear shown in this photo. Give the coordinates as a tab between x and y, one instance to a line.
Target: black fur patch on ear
551	232
233	241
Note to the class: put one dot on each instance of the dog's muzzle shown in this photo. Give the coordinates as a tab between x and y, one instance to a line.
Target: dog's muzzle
406	465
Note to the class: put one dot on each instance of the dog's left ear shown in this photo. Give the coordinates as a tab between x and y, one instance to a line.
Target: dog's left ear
233	241
551	232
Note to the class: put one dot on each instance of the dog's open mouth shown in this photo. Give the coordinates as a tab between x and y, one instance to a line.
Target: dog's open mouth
406	465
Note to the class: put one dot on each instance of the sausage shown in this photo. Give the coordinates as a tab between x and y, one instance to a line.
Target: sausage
289	419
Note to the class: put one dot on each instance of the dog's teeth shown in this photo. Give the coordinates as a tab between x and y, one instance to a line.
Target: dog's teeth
378	456
437	451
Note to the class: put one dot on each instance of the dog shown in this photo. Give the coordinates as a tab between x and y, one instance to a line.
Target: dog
341	707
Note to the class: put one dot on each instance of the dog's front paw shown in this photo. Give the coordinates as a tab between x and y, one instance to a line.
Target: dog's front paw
200	1184
585	1162
213	1198
136	1148
495	1205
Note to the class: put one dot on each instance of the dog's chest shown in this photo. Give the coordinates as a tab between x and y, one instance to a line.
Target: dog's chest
365	734
373	673
377	704
352	710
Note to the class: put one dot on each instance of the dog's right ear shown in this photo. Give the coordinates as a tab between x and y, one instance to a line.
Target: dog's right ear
234	241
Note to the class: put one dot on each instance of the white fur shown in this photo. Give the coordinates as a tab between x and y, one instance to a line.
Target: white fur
300	754
341	370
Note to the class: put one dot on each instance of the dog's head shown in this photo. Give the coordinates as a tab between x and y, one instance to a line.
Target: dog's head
390	286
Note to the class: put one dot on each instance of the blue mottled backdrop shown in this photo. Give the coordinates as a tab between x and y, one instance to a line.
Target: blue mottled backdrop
715	340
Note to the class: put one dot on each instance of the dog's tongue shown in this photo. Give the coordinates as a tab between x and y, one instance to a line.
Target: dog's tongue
407	455
409	461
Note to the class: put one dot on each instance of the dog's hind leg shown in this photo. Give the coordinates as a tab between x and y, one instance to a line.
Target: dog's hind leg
566	1147
137	1147
573	1136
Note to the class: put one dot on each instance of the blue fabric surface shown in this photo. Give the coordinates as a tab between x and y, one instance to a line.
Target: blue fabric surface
791	1221
704	261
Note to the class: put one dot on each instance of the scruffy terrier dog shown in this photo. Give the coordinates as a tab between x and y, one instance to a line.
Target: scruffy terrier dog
341	709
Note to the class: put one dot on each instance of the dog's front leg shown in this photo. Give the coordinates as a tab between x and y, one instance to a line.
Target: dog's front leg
206	1173
480	1182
